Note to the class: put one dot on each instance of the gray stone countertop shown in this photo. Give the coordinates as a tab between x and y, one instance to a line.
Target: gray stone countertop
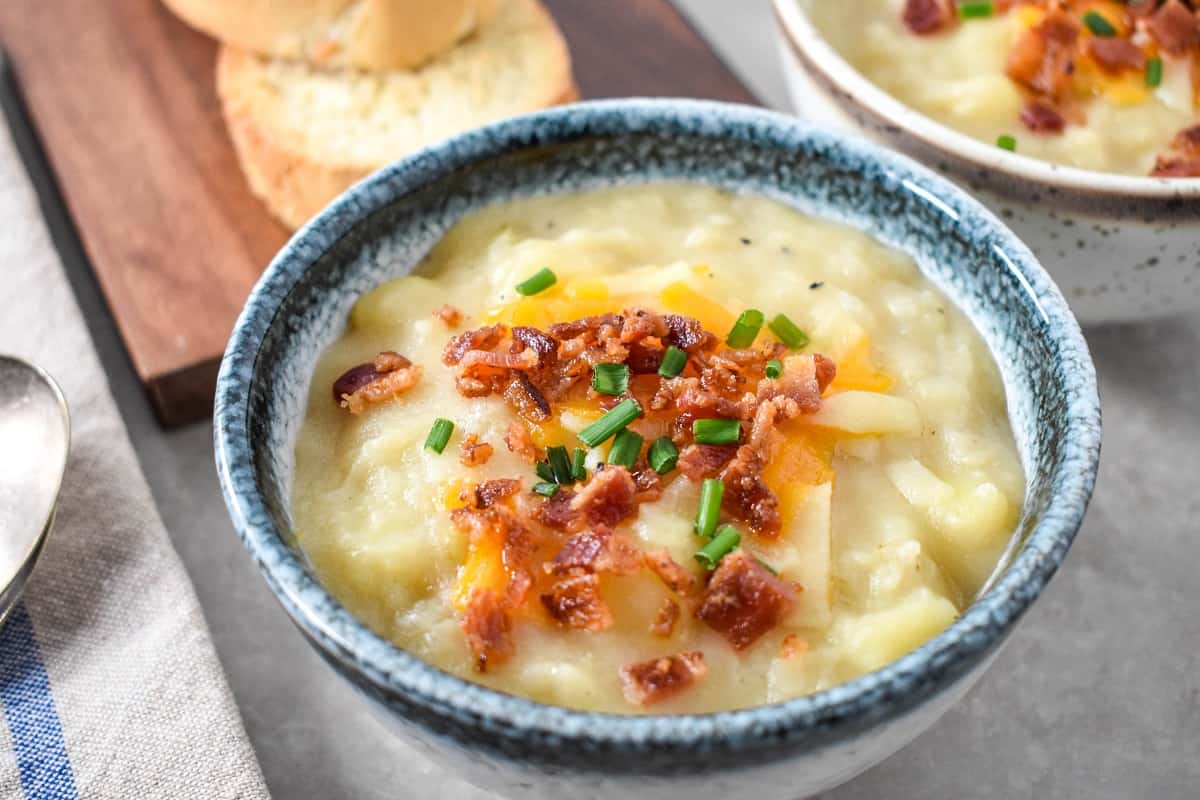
1096	696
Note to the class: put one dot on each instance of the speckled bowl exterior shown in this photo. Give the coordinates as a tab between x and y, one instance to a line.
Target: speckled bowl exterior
380	229
1123	248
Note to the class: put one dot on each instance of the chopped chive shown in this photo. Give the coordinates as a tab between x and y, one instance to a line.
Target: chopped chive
540	281
1154	71
439	435
723	543
975	9
1006	142
766	566
662	455
709	512
546	489
578	470
774	368
788	332
748	324
560	464
674	360
610	379
613	420
1098	25
542	468
717	431
625	448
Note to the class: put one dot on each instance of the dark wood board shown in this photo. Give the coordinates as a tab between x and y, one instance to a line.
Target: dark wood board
123	99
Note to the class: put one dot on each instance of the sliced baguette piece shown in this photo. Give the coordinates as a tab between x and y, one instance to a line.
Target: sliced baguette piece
303	135
369	34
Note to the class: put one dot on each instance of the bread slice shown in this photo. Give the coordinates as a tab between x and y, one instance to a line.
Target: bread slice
369	34
303	134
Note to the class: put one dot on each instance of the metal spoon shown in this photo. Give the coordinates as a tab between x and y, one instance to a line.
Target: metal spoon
35	434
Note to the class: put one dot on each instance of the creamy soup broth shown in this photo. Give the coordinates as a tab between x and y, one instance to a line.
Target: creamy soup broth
897	497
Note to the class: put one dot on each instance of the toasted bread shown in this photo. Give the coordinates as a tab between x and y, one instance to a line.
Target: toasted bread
304	134
368	34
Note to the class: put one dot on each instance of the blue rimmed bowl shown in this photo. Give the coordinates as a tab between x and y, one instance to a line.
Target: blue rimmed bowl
380	229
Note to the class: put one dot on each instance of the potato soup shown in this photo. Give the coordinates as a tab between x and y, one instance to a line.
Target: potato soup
656	449
1095	84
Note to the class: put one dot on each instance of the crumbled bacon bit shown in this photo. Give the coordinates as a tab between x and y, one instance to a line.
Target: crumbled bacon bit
665	619
804	380
533	340
1176	167
450	316
489	359
607	498
359	376
1184	161
599	550
693	400
647	682
640	324
352	380
924	17
1115	54
475	452
479	339
747	495
674	576
578	555
686	333
526	398
1187	141
487	493
719	373
558	512
644	359
520	441
1140	9
755	359
387	361
575	602
1044	56
1174	27
600	326
488	628
1040	117
766	417
472	387
386	378
700	461
743	600
647	482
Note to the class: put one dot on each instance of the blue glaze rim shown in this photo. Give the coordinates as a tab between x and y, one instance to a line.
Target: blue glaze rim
515	727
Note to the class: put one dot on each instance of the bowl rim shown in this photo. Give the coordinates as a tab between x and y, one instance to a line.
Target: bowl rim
818	55
390	672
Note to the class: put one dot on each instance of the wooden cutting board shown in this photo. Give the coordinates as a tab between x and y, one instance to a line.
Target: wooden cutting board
122	96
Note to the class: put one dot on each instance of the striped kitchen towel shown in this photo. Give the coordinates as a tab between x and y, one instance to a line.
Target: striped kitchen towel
109	684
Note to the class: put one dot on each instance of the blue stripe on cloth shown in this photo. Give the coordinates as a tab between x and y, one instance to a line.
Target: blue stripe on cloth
33	723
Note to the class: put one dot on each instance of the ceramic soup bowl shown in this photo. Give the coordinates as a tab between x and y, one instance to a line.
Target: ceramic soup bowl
380	229
1122	248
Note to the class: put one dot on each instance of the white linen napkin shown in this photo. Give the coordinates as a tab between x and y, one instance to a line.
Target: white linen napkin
109	684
